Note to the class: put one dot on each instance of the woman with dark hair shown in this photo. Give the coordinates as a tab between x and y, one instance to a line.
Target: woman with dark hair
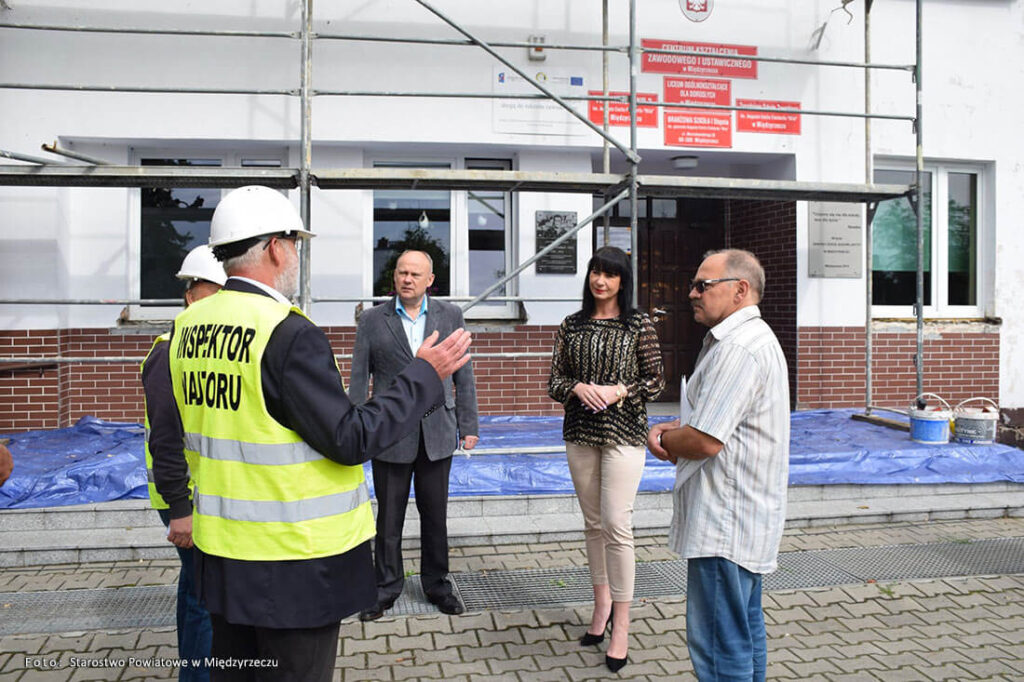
605	366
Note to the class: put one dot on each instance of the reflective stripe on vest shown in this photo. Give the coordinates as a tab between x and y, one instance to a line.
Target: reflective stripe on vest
253	453
262	494
272	511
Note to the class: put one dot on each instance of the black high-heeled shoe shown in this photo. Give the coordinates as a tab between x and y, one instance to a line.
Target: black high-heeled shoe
590	640
616	664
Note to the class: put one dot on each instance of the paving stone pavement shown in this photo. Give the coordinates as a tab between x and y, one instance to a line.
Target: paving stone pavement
963	628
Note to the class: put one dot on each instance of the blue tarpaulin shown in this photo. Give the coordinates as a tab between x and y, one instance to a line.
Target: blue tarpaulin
93	461
96	461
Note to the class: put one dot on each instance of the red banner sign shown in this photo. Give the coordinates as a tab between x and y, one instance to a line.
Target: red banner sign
618	112
697	128
728	61
698	90
765	122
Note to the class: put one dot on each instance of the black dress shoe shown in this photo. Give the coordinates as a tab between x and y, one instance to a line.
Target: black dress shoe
375	611
616	664
448	603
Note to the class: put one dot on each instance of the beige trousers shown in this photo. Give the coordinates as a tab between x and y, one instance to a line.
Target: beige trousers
606	480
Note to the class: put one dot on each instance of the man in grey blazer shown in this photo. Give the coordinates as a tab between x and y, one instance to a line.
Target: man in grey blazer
387	337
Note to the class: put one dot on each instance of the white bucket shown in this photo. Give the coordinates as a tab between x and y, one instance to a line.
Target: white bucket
975	424
930	425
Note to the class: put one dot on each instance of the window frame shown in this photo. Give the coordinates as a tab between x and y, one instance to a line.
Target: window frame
228	159
459	235
939	307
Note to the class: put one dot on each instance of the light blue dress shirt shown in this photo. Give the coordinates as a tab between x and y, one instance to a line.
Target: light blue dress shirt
414	329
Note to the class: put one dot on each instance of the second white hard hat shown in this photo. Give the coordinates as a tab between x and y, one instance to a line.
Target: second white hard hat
201	264
254	211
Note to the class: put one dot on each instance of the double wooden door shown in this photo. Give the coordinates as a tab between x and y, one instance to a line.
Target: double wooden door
670	251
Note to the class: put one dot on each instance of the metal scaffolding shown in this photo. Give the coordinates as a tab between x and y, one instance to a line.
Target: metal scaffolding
613	187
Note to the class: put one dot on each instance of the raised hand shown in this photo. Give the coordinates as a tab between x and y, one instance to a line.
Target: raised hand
448	356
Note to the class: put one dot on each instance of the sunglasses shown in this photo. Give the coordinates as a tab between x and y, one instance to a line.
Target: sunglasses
292	237
702	285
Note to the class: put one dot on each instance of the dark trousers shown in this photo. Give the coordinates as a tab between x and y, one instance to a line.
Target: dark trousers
194	632
391	486
299	654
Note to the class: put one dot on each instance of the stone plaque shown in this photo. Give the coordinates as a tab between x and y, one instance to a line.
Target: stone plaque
835	239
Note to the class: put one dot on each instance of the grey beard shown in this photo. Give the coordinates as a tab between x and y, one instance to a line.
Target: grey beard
287	282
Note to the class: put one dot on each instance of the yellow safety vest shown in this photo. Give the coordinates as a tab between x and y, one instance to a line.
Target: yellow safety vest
261	493
155	500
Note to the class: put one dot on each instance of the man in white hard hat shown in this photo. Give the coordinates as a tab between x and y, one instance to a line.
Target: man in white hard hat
167	469
282	518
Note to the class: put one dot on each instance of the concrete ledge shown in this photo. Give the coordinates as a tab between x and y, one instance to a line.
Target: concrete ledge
129	529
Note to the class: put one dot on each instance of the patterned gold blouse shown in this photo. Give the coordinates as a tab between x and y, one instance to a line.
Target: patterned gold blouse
606	352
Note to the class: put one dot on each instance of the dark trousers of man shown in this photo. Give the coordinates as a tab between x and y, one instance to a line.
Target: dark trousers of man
194	633
244	653
391	487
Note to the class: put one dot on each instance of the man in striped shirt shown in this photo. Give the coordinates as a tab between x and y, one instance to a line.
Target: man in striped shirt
732	460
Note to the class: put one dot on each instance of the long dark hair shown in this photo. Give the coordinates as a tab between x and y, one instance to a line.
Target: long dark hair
613	261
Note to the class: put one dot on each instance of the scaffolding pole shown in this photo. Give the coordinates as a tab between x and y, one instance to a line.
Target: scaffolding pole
54	149
634	159
306	153
27	158
543	252
918	85
606	163
522	74
868	264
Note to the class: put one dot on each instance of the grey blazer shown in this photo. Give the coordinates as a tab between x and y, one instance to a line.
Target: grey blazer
382	351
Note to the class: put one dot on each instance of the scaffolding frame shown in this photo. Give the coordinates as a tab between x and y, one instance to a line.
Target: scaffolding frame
631	184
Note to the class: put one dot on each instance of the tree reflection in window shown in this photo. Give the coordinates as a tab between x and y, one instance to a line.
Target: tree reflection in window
411	220
174	221
894	244
963	239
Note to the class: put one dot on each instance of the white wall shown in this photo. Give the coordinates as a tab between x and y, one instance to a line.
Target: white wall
78	243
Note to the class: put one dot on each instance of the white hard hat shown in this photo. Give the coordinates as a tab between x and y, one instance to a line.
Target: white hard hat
254	211
201	264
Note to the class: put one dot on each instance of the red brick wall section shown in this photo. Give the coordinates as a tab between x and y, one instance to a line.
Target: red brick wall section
515	385
30	397
958	365
109	391
58	396
768	230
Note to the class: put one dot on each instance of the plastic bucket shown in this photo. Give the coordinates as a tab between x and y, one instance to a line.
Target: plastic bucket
975	424
930	425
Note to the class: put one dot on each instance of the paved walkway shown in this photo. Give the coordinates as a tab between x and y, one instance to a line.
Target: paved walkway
964	628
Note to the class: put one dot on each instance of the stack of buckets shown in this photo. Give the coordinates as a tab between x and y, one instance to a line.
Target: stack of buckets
932	424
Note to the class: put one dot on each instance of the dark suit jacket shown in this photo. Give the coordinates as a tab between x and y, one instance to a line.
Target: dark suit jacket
382	350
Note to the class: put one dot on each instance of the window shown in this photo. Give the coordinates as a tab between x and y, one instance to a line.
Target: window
411	219
173	221
477	222
953	239
489	218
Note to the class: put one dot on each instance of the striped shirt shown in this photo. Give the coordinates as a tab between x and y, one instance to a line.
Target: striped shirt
606	352
734	506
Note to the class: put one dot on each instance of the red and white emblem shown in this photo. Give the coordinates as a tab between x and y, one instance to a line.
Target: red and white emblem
697	10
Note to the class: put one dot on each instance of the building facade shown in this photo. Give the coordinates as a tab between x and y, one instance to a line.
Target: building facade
396	87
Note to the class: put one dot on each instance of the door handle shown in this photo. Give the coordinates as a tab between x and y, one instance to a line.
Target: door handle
658	312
